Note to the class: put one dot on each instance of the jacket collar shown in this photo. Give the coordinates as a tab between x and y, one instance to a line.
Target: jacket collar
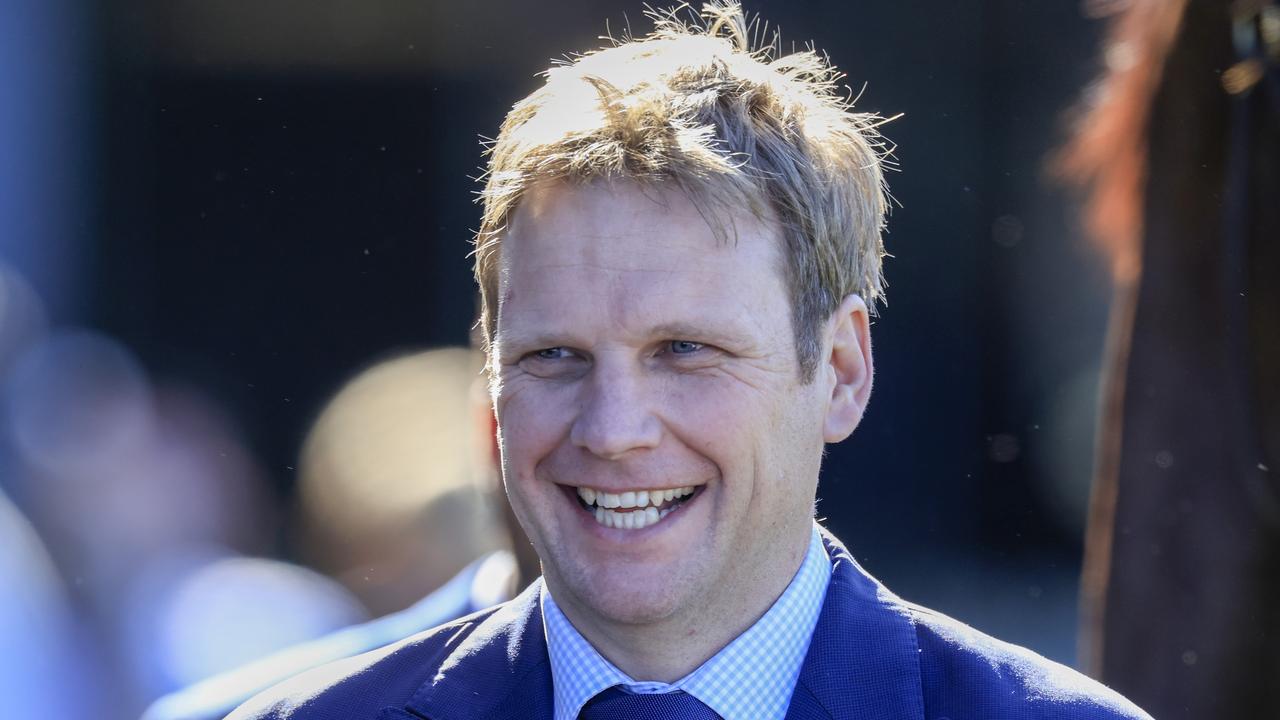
863	661
499	671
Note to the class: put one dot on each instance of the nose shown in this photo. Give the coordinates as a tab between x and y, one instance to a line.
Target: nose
616	414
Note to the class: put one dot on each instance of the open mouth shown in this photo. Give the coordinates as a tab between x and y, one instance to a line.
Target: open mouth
633	509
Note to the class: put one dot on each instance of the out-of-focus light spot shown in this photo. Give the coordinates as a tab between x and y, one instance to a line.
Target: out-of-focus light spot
36	628
390	478
76	401
119	470
203	615
22	315
393	439
194	481
1164	459
1120	56
209	627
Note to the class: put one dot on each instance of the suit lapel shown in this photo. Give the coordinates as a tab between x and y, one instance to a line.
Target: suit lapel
500	671
863	661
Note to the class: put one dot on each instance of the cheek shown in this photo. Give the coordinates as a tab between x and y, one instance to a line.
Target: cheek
799	428
718	416
525	439
531	421
774	432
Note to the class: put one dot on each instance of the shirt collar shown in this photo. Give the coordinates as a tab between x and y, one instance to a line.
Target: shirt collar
752	677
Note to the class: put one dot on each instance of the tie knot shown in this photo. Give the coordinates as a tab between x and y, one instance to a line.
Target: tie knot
617	704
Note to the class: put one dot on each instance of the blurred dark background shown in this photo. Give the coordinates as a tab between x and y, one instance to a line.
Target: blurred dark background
252	201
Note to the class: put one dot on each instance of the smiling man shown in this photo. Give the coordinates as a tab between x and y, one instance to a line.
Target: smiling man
679	250
659	440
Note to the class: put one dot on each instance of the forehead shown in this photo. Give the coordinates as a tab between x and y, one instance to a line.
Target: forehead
567	221
634	250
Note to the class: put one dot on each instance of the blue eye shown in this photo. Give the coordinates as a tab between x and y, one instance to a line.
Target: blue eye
684	347
555	363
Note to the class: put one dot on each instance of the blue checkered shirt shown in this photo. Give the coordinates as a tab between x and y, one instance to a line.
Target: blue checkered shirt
751	678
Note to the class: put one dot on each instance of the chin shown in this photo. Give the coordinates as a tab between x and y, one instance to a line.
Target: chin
633	606
629	597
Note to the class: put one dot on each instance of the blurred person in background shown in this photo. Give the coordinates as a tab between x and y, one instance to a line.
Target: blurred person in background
137	511
395	479
1181	151
40	642
681	237
150	505
398	499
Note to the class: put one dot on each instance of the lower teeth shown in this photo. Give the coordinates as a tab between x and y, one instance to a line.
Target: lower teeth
634	520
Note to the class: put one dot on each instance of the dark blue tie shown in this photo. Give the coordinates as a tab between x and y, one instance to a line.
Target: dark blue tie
615	704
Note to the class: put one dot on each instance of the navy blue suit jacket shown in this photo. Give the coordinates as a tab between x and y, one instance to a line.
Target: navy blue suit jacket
872	657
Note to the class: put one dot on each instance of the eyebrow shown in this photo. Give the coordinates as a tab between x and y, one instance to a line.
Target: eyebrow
537	339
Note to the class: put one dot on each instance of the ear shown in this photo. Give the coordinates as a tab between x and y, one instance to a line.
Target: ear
848	368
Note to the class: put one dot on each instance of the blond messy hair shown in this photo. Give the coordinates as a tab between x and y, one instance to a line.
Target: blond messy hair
733	127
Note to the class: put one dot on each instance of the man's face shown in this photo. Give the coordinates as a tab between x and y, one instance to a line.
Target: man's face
640	355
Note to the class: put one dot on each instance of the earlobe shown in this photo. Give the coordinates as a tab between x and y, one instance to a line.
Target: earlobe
850	364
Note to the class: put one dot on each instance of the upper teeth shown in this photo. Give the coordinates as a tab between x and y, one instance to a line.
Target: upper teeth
632	498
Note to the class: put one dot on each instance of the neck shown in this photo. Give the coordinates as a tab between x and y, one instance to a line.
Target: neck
670	648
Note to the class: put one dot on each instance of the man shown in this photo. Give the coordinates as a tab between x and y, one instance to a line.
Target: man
680	241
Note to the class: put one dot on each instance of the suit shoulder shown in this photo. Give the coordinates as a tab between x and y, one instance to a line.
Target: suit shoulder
964	670
359	687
